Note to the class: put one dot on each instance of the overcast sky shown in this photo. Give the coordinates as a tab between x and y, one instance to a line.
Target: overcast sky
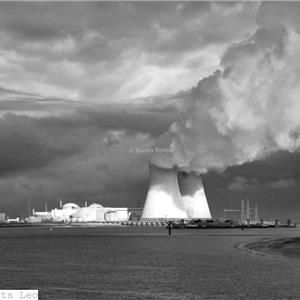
82	84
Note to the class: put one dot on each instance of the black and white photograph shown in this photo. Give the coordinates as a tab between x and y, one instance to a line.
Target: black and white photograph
149	150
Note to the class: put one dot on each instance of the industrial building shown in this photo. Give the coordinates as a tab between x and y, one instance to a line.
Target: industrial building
2	217
163	199
73	213
193	196
175	196
97	213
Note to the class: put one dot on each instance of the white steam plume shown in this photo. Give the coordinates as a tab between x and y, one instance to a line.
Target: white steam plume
244	111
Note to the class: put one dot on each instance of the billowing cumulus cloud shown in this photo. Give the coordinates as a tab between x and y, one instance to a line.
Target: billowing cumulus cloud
246	110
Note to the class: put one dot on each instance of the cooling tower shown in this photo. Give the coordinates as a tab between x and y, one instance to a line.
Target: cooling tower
163	199
193	196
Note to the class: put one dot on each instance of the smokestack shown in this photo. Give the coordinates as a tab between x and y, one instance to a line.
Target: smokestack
85	203
60	204
163	199
193	196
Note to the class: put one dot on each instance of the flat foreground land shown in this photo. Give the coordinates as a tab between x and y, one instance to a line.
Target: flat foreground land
146	263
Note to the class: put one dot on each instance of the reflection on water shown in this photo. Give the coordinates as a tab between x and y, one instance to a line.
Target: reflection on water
144	263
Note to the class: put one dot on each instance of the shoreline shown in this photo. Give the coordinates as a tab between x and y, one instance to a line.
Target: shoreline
56	225
287	247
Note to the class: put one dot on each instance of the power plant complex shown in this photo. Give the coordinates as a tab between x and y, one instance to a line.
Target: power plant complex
172	195
174	198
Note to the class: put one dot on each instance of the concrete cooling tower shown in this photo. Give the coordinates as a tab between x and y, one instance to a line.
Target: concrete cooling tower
193	196
163	198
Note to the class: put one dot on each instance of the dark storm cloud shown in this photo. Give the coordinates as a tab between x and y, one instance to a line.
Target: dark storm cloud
273	183
281	165
243	184
288	14
126	21
31	31
37	21
76	153
25	146
284	183
32	142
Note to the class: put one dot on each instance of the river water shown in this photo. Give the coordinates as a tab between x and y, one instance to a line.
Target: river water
146	263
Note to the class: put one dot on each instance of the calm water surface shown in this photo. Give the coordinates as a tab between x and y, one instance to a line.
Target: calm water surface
145	263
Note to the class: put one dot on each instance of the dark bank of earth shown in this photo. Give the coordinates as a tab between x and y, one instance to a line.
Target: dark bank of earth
289	247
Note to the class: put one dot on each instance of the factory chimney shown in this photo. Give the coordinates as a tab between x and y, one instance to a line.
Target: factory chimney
163	199
193	196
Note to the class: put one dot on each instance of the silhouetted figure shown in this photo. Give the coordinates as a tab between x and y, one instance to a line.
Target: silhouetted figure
169	227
